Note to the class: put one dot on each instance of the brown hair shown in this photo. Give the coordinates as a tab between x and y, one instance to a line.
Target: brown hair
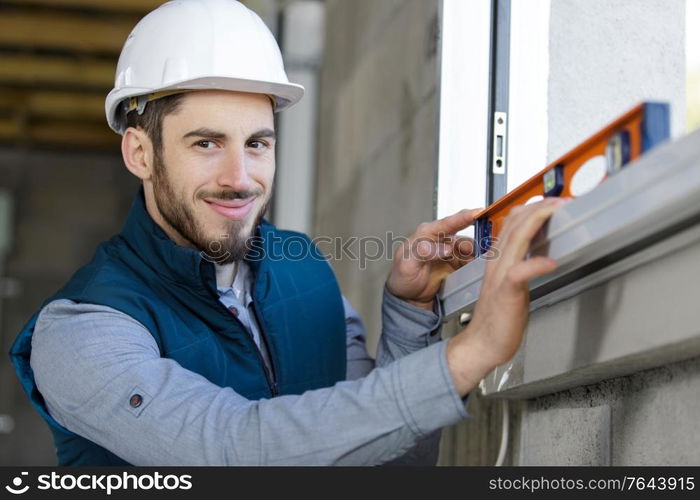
151	121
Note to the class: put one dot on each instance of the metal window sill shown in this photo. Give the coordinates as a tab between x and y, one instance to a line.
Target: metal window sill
635	237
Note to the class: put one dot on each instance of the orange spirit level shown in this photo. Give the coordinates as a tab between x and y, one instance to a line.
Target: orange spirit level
613	147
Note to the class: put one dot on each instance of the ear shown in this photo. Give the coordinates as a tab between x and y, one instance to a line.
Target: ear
137	152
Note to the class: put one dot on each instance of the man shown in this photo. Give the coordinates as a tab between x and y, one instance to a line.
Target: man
195	337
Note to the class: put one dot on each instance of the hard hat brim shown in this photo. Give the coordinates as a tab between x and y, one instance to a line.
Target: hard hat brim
285	94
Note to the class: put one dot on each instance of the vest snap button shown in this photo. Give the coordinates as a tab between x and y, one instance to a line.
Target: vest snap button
135	400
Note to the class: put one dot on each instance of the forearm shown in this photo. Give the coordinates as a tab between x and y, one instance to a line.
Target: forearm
468	361
88	365
188	421
426	450
405	329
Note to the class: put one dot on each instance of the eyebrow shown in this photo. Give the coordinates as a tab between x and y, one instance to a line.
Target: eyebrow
215	134
264	133
205	132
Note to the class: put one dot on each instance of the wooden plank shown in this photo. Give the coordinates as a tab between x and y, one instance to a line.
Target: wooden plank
59	133
56	71
10	128
53	104
63	31
66	105
11	99
75	135
122	6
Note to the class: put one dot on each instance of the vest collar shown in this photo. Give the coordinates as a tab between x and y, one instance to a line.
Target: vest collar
175	263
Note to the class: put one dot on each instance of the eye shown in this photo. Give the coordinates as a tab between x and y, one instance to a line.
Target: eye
205	144
257	144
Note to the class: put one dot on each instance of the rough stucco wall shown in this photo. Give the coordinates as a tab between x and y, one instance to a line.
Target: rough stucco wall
377	142
606	56
65	204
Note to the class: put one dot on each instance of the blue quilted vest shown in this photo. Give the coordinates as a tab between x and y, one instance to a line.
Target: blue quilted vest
171	290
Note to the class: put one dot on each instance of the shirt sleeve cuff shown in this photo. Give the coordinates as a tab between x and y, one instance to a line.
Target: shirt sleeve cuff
409	324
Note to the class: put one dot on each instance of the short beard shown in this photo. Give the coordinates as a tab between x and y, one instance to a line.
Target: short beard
230	246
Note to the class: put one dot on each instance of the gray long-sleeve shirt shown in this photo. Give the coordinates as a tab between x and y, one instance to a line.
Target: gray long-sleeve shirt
88	361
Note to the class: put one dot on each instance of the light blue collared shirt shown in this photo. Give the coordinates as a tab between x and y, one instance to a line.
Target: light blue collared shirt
88	360
238	298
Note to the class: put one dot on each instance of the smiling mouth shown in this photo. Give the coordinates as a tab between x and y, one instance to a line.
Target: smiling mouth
232	209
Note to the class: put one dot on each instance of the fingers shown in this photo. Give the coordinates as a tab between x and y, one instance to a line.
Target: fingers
464	247
522	226
462	252
448	225
457	249
430	250
529	269
501	314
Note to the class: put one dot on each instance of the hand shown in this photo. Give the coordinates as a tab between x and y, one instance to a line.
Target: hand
495	332
432	252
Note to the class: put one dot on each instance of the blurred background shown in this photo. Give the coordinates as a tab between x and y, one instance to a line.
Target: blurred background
360	156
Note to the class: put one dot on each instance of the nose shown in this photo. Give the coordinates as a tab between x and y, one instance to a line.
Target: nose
233	171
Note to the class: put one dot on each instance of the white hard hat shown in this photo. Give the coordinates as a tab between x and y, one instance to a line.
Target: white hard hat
197	45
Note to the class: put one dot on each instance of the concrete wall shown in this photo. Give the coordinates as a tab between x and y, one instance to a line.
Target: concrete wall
648	418
377	141
65	204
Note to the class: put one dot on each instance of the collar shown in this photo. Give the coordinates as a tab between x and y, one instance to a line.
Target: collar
226	274
241	288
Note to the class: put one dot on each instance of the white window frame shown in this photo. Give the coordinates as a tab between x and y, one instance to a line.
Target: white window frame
464	105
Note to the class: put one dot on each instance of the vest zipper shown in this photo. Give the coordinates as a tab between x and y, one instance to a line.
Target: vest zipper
272	384
263	336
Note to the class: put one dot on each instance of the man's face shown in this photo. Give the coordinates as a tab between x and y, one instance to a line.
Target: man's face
213	179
